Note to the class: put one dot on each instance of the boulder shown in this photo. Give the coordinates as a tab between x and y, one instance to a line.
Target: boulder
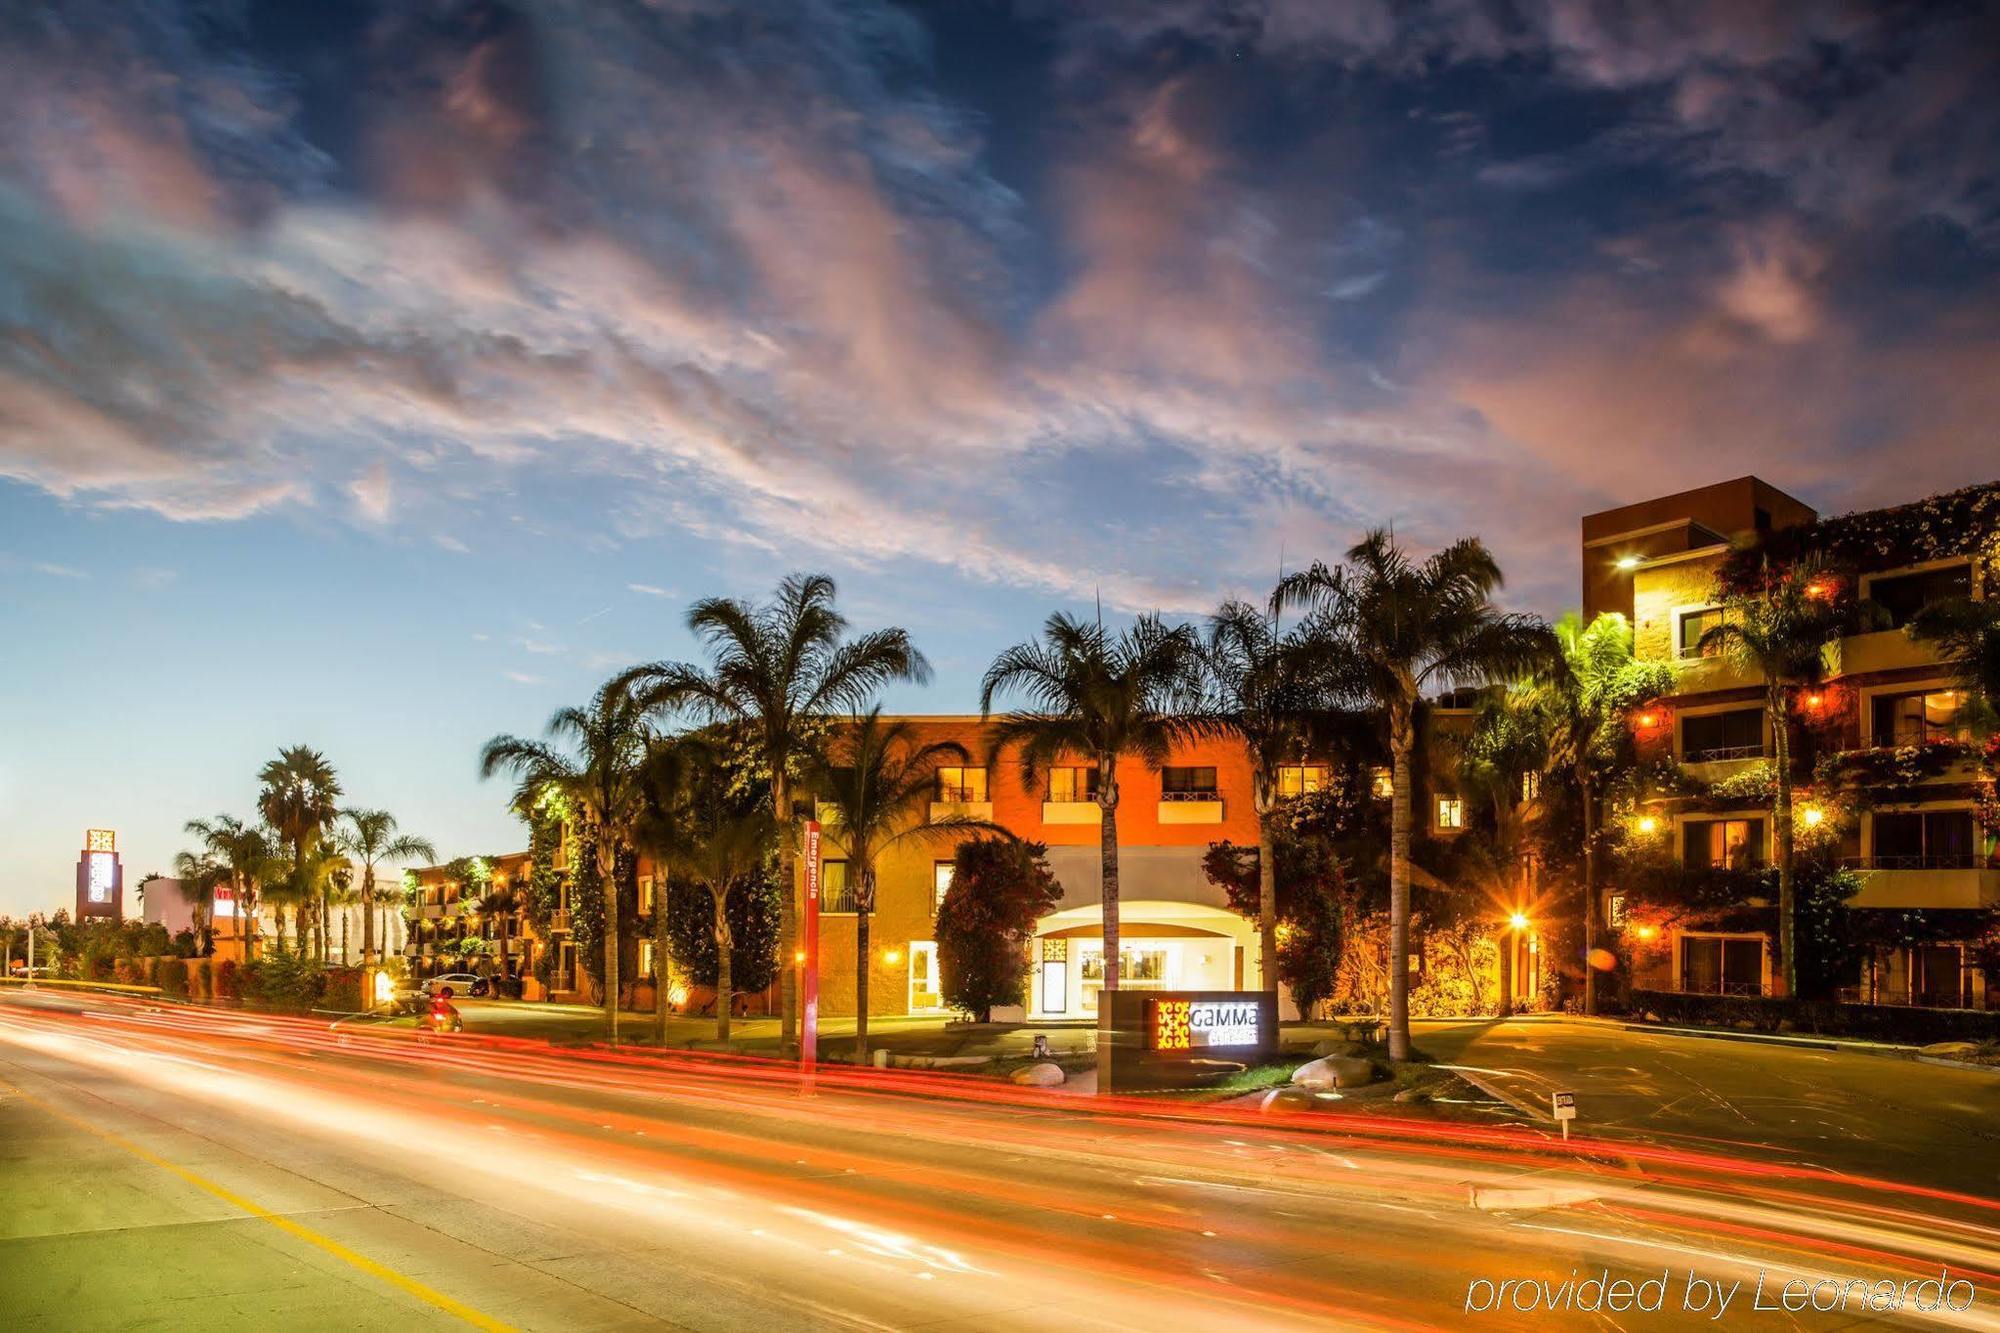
1044	1075
1334	1071
1951	1050
1414	1095
1338	1046
1286	1099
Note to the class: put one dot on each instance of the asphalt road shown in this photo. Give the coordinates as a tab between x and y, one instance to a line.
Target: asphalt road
172	1168
1868	1114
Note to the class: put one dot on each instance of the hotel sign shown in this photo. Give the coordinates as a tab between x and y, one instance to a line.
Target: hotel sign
1175	1025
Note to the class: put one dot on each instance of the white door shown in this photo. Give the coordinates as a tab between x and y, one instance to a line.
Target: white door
925	996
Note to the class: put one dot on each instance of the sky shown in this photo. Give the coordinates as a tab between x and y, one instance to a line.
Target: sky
382	376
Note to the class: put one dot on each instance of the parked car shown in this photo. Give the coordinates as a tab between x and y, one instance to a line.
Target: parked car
461	983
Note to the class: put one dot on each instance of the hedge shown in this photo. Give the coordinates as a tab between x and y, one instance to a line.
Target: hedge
1902	1024
172	975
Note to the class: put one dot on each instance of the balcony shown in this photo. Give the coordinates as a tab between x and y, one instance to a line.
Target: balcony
1191	807
1698	675
1071	812
1883	650
1936	881
943	810
559	921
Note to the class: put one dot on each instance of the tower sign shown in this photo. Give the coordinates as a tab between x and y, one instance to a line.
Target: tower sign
100	879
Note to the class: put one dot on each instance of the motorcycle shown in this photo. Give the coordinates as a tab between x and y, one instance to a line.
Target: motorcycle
441	1016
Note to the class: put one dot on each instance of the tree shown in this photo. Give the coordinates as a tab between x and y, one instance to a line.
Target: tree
370	837
1779	627
1262	686
244	851
1096	697
877	783
299	800
1967	635
198	875
1391	630
778	670
599	776
1586	700
721	855
1000	887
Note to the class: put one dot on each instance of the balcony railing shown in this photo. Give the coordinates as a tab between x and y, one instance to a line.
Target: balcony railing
559	920
960	796
1917	861
1190	795
1715	753
1910	735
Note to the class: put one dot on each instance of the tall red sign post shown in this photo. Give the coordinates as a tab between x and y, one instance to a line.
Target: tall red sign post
808	960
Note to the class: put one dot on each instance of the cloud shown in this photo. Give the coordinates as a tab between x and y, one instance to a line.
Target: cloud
373	493
445	542
649	590
154	576
541	647
56	571
522	678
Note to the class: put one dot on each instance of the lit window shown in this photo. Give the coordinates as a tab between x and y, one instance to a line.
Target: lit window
1920	718
645	893
960	785
836	895
1300	779
1073	783
1695	624
941	872
1451	812
1383	783
1723	844
1531	786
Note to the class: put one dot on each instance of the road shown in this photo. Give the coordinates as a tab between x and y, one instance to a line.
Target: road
167	1167
1868	1114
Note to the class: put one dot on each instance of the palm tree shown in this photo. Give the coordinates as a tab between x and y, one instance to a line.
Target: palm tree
1586	700
300	800
1392	630
244	852
370	837
779	670
1093	696
878	783
1779	628
198	875
1263	688
720	852
1968	635
599	776
499	907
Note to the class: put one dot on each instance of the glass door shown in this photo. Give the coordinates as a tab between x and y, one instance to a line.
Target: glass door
925	996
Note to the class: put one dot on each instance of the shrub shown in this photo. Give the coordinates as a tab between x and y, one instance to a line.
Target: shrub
343	990
201	979
127	971
285	981
753	934
999	889
227	980
173	977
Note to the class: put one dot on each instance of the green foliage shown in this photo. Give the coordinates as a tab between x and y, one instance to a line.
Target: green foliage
1956	523
586	914
172	978
343	990
753	932
999	889
228	978
284	980
545	882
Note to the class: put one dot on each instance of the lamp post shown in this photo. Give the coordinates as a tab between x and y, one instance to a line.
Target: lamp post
808	961
29	984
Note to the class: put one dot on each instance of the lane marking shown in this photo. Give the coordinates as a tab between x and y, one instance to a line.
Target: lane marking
409	1285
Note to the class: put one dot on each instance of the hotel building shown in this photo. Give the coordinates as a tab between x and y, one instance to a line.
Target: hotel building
1886	716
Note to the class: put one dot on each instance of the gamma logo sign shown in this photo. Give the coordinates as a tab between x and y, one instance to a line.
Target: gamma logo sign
1186	1025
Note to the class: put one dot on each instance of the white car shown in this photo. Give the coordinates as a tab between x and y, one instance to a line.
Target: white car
461	983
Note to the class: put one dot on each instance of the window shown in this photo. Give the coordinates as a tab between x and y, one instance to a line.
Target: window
941	872
645	896
1935	976
1711	965
1738	734
1382	782
1693	625
1925	840
1187	784
1300	779
1723	844
1074	783
836	895
961	785
1903	595
1531	785
1920	718
1451	812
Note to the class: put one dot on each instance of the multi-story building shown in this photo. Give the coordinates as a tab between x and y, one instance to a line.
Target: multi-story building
443	915
1884	734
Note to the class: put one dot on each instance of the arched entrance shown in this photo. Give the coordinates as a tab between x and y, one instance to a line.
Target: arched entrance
1164	946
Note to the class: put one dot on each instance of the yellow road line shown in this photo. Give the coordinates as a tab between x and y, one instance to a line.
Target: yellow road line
428	1295
85	985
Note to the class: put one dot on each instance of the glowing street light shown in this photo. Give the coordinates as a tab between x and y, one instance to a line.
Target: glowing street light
1518	921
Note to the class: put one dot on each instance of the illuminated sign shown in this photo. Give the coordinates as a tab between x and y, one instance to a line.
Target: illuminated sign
103	877
1187	1025
100	840
225	903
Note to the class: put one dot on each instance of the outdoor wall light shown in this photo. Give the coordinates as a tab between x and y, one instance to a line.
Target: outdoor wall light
1648	932
1648	824
1518	921
1813	816
892	956
1628	562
